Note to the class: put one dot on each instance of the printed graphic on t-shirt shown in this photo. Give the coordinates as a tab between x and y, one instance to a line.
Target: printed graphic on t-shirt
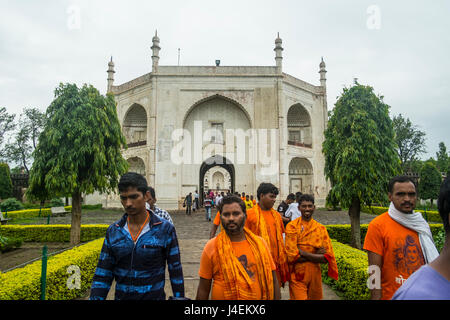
247	266
407	257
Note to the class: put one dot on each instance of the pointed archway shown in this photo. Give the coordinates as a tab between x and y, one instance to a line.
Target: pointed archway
216	160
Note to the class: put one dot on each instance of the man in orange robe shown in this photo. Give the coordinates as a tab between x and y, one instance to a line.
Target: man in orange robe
308	245
266	222
237	262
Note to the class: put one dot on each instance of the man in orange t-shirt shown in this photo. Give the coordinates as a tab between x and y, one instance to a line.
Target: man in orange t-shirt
266	222
394	251
237	263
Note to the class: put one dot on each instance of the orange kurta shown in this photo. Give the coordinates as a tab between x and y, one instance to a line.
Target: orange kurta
240	270
269	225
306	277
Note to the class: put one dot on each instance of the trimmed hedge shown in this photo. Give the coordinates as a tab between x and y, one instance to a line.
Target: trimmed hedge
32	213
352	267
342	233
8	244
431	216
11	204
24	283
52	233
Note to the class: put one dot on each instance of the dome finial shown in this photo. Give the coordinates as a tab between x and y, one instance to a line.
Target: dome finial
322	64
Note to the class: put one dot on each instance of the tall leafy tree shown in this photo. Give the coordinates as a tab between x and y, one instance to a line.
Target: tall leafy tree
19	150
410	141
79	150
6	124
360	152
443	160
430	181
34	121
6	188
25	139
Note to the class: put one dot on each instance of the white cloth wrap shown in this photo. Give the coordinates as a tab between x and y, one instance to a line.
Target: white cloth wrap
416	222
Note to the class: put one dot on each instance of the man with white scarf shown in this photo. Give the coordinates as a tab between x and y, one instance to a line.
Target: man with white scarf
432	281
398	242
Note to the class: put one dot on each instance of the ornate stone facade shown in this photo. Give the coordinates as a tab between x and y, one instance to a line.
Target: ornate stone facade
180	121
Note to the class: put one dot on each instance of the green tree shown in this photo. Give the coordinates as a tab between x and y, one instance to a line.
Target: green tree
410	141
20	150
360	152
6	124
79	150
34	122
429	182
25	140
6	188
443	160
17	170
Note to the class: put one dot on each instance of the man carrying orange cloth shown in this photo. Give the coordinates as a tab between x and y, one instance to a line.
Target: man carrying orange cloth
266	222
308	245
237	262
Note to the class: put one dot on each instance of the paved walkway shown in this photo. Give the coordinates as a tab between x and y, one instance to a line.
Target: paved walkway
193	233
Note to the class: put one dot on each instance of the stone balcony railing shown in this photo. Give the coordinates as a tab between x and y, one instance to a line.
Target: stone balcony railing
137	144
299	144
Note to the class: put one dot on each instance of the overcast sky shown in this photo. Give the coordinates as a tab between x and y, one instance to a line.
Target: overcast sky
401	48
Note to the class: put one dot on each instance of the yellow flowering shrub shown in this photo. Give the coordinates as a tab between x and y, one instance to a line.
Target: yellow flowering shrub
32	213
353	272
24	283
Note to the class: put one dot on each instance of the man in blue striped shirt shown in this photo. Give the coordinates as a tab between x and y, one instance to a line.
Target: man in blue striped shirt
136	250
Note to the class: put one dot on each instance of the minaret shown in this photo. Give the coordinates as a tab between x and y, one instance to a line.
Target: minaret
110	75
155	50
322	71
278	50
323	83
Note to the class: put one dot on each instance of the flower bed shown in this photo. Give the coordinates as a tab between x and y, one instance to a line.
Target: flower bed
24	283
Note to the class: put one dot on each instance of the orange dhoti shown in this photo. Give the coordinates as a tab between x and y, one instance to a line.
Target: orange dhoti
306	277
310	288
